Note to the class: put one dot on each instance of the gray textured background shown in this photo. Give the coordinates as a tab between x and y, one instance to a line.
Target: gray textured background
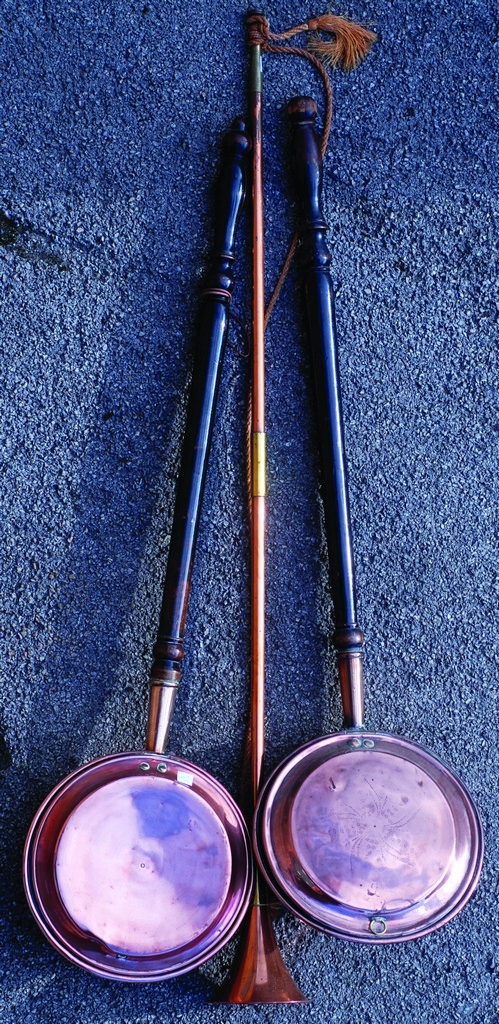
112	120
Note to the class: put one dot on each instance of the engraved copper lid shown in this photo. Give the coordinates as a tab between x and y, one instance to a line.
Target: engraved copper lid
138	867
369	837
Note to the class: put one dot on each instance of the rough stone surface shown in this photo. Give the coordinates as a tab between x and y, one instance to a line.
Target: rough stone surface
112	120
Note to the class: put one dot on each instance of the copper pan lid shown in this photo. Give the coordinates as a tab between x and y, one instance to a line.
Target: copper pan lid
369	837
138	867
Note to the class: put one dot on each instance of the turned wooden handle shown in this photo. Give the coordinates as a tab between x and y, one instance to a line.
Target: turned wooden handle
314	258
169	648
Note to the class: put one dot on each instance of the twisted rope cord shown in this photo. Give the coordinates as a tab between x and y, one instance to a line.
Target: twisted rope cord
259	34
352	42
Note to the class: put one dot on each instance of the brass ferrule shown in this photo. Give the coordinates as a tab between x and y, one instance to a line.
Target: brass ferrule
162	694
258	465
256	69
350	671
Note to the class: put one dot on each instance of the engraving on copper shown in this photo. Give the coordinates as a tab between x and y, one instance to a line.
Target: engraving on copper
144	865
382	838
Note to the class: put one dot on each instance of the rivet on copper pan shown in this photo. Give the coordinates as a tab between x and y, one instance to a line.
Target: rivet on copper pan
369	744
162	768
355	742
377	925
145	766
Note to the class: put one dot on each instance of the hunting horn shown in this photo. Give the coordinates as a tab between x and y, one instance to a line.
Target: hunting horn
258	974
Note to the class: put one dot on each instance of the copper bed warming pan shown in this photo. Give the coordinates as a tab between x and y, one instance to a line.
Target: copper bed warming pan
138	866
363	835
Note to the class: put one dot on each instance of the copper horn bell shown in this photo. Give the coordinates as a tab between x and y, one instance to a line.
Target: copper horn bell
258	974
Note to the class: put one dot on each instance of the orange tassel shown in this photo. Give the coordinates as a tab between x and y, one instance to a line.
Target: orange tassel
351	43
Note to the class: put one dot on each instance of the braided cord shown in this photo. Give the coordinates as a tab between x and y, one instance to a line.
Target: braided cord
259	34
351	43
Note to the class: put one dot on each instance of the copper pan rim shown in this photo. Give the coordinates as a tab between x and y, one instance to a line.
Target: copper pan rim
315	842
41	882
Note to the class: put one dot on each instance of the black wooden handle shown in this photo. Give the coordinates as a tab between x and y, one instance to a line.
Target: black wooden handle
315	258
169	648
